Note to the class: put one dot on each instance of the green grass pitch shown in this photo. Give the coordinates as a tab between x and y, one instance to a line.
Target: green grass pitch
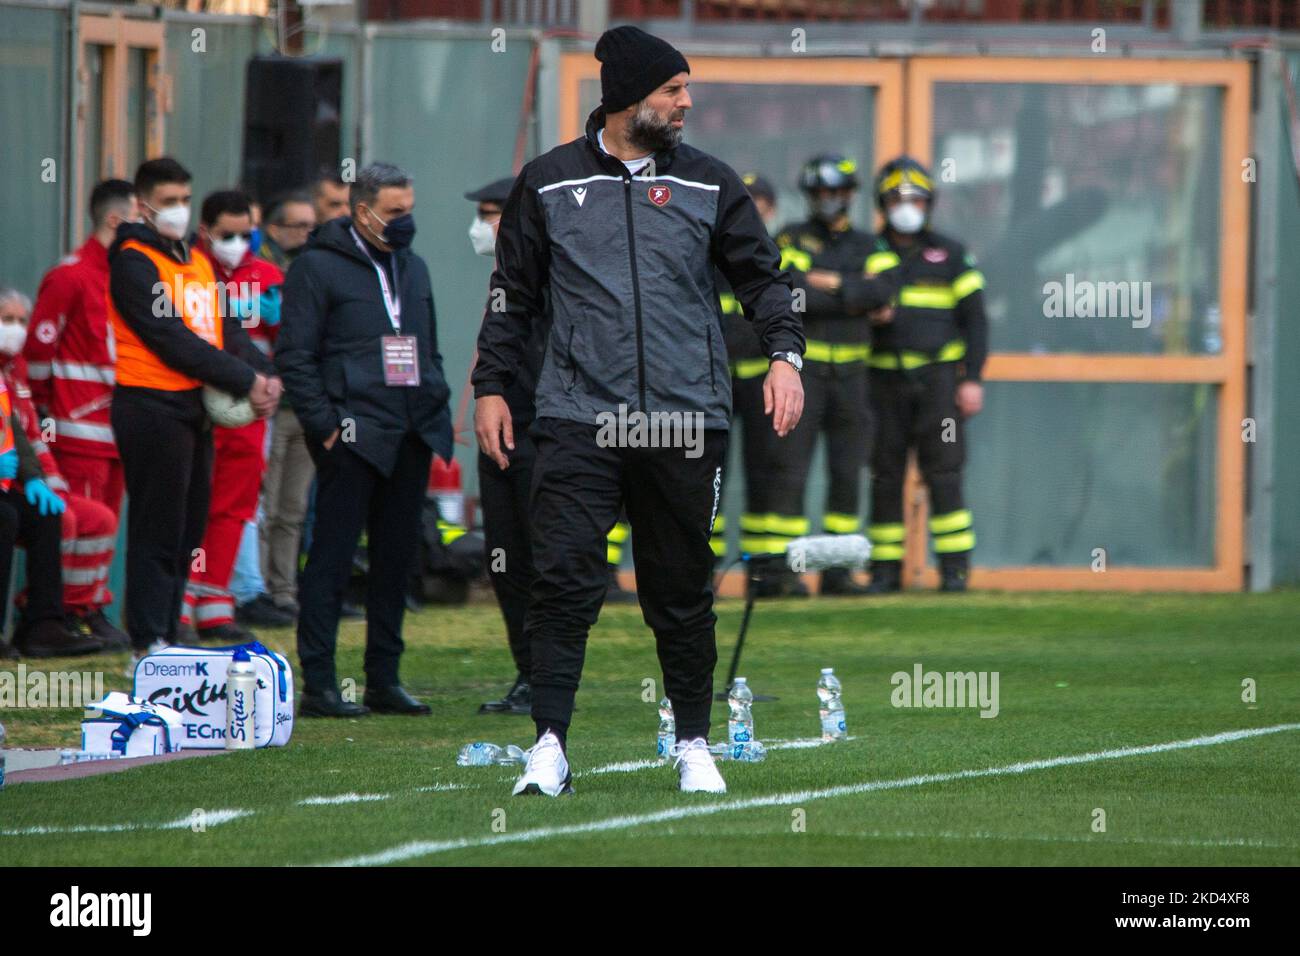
1097	677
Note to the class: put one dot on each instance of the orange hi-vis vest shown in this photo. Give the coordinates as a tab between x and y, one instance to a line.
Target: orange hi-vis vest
6	428
189	292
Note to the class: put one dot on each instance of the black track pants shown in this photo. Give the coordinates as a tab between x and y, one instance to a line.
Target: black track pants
671	500
507	539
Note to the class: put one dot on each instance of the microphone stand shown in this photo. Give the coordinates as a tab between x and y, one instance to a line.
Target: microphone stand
757	566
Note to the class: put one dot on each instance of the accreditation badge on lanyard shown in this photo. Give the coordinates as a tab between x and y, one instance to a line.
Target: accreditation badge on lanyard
399	353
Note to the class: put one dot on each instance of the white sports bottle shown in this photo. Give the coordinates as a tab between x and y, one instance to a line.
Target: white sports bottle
831	706
241	687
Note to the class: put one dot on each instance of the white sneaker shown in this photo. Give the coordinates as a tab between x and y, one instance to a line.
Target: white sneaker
137	657
696	768
547	771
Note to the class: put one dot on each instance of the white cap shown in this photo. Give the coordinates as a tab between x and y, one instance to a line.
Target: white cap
740	680
828	670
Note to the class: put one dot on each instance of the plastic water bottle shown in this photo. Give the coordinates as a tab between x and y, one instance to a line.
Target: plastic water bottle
751	752
831	706
740	723
480	754
241	687
667	729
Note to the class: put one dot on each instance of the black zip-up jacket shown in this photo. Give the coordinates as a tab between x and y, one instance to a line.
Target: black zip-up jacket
840	316
329	349
131	283
629	261
939	299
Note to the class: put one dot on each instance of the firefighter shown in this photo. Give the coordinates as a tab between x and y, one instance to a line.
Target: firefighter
826	257
748	368
927	356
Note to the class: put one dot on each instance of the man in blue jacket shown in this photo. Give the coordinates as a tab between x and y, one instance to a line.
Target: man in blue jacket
358	352
626	228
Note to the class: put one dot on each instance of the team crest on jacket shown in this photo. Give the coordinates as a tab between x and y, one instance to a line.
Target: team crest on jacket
935	254
659	195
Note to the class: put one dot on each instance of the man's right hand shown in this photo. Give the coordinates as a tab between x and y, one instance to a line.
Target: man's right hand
329	442
881	316
494	429
264	396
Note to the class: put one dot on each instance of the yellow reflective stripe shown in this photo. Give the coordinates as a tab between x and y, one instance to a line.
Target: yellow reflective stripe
790	526
885	533
791	256
927	297
448	532
754	523
719	524
952	521
613	554
837	353
899	176
952	543
972	280
718	546
887	552
751	367
618	534
839	523
880	261
762	544
730	304
951	352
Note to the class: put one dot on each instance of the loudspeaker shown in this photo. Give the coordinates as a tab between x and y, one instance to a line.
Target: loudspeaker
291	123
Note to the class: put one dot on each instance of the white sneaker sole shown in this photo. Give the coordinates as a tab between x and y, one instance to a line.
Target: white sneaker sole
535	789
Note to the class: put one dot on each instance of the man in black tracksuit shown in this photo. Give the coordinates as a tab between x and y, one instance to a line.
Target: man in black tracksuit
625	227
827	258
927	357
358	349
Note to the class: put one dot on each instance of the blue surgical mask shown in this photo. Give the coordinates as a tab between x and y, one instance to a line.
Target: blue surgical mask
398	232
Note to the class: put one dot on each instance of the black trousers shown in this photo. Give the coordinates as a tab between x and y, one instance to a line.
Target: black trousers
41	537
835	405
917	409
352	495
167	464
760	447
507	540
671	501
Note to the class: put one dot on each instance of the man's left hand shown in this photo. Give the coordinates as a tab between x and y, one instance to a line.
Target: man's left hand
783	397
825	280
970	398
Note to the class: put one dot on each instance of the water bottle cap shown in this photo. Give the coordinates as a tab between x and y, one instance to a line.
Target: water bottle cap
740	680
828	670
241	654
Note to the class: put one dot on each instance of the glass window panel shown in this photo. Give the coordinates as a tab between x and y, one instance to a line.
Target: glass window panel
1057	469
1081	185
137	109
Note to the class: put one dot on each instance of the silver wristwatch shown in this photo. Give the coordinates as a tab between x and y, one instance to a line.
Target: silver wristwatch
794	358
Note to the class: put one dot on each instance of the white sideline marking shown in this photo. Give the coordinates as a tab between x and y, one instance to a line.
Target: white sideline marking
211	818
805	743
343	798
626	766
439	787
419	848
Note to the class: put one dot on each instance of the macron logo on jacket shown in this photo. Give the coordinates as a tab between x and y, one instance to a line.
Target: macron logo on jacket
580	194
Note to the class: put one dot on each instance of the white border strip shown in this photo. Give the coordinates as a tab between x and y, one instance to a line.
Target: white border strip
421	848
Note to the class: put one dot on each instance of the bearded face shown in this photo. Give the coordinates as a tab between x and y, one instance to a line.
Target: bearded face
649	131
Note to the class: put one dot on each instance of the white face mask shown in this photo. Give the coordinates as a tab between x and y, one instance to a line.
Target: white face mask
171	222
482	237
230	251
12	338
907	217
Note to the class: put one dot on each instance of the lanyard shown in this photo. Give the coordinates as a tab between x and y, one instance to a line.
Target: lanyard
392	300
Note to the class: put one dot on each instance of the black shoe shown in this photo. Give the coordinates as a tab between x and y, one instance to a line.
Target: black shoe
286	605
614	593
886	578
226	634
52	638
328	703
518	700
262	612
350	612
113	638
185	634
953	575
839	582
394	700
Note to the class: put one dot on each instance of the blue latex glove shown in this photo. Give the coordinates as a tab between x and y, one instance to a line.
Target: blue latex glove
40	496
268	305
9	464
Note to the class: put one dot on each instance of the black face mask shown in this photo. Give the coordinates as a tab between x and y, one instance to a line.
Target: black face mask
398	232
